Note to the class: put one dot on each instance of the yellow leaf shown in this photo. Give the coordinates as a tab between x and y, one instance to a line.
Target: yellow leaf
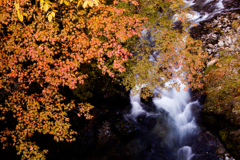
20	16
91	3
48	13
61	1
41	4
66	2
96	2
53	14
85	4
25	14
46	7
50	18
16	6
79	2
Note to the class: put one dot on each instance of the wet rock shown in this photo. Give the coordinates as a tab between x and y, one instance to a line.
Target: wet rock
146	122
149	107
124	128
220	150
104	131
205	146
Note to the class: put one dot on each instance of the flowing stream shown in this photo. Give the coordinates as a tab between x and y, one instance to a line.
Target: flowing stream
175	114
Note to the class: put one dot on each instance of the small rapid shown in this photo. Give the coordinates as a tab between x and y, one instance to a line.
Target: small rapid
180	119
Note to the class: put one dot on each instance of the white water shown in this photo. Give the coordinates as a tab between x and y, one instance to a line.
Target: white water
175	103
179	108
197	17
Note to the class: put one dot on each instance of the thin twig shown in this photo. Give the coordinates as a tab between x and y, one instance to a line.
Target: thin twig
3	33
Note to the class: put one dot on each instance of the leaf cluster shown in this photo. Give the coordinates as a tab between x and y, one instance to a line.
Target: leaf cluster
165	53
44	45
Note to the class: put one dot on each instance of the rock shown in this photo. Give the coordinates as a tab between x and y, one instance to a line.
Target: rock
212	62
209	51
214	37
234	39
238	29
104	131
217	55
233	15
225	20
232	47
220	150
228	40
124	128
220	44
210	45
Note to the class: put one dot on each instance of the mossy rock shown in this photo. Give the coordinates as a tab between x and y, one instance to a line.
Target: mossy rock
231	138
221	110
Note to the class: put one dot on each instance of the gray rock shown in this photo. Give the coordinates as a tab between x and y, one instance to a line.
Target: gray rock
232	47
234	39
225	20
220	44
217	55
228	40
210	45
209	51
214	37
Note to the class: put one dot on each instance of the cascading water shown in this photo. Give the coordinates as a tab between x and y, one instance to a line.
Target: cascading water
176	124
180	120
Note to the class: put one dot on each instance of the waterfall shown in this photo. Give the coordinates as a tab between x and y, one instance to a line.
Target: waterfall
180	120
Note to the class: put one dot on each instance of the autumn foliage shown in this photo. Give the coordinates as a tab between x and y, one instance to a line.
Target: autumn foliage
43	45
166	51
